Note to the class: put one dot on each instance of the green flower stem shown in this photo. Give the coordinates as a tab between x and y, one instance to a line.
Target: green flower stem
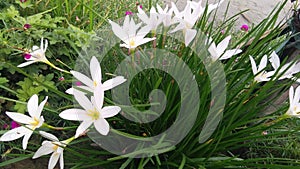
164	38
69	140
131	51
55	67
280	118
154	41
56	128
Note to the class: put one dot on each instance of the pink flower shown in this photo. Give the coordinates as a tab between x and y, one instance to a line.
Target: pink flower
27	56
26	26
77	19
128	13
245	27
222	31
141	6
61	78
78	83
14	124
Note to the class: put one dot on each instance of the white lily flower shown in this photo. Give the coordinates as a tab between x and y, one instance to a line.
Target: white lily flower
55	147
187	19
218	52
212	7
91	84
130	33
165	14
263	75
294	109
35	120
37	54
287	70
92	112
153	21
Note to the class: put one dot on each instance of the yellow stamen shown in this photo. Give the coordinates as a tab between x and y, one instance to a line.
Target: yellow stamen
131	42
94	114
35	122
95	83
55	147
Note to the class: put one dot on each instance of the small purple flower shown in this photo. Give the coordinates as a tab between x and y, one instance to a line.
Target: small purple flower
245	27
14	124
128	13
26	26
78	83
141	6
27	56
222	31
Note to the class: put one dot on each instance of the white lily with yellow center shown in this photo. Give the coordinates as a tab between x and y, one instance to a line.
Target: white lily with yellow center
92	112
32	122
37	54
154	19
294	98
130	33
187	19
219	51
95	81
55	147
260	74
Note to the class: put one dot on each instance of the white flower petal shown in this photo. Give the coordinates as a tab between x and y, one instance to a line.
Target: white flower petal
32	105
102	126
83	127
53	160
74	114
291	96
263	63
61	160
118	31
14	134
41	107
253	65
70	90
275	61
26	63
110	111
189	36
83	100
82	78
98	98
229	53
95	70
49	136
221	47
213	52
46	148
111	83
211	7
20	118
25	139
297	95
145	40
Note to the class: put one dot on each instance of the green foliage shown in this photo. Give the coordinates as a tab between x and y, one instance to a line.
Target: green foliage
29	88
